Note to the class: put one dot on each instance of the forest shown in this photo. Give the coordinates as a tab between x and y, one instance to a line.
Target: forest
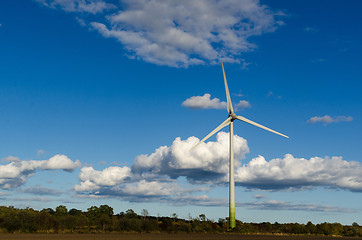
102	219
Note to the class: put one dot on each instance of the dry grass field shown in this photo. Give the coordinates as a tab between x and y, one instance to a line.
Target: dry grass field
162	236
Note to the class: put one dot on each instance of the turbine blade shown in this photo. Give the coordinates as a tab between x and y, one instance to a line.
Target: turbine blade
224	124
229	103
258	125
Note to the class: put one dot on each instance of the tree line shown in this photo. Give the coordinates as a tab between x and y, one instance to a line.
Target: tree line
102	219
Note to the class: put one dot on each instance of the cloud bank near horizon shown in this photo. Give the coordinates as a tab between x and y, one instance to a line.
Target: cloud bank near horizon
177	33
174	174
158	176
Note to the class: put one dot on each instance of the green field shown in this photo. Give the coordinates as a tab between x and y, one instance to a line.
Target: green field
163	236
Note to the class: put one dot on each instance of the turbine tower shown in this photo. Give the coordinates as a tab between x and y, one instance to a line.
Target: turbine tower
230	121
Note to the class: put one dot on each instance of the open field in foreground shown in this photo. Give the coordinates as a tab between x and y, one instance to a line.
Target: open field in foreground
162	236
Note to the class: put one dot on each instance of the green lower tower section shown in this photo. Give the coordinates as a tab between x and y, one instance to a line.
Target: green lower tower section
232	215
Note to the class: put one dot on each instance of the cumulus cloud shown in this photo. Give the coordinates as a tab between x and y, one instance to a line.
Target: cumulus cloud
17	172
202	102
299	173
208	161
130	187
88	6
59	162
205	102
328	119
152	188
153	177
92	180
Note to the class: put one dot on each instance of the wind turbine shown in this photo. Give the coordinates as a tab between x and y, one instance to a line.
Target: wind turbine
229	121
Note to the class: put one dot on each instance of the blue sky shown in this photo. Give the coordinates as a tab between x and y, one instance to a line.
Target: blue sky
101	101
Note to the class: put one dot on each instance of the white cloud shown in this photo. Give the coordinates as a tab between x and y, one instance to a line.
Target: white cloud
183	33
93	180
60	162
88	6
133	187
177	33
328	119
17	172
242	105
151	188
207	162
298	173
155	177
205	101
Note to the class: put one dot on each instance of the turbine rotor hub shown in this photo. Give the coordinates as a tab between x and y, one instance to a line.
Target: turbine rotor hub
233	116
